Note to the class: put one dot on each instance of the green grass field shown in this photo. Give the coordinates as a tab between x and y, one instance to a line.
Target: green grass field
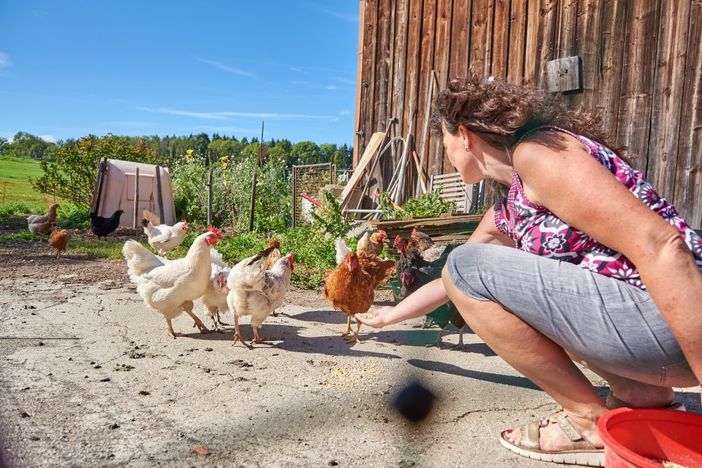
15	187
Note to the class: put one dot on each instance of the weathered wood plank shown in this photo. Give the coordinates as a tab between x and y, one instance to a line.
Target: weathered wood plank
357	140
566	28
382	66
400	61
612	49
370	35
500	40
426	65
667	97
368	155
517	42
688	182
531	57
587	44
637	81
458	59
480	39
441	66
412	91
547	44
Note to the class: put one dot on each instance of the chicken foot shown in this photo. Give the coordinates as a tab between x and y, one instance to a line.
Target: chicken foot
355	338
258	339
188	308
348	326
171	333
237	332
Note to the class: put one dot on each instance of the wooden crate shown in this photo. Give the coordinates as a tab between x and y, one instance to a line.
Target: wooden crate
446	229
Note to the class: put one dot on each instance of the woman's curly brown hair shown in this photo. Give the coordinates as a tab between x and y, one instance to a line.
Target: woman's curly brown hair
502	113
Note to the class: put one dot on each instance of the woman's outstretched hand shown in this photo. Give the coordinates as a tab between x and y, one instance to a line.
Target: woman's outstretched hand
376	318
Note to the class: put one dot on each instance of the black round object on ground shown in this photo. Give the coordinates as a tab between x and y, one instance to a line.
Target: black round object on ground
414	402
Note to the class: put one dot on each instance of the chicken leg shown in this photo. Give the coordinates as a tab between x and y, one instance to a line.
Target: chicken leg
348	326
237	332
355	338
187	306
171	333
255	325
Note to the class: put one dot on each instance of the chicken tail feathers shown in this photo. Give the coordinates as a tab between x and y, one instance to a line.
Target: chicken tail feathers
139	259
262	254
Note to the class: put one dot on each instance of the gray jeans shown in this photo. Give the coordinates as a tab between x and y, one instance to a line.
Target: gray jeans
606	322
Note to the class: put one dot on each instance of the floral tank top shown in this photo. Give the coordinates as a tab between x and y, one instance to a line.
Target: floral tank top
535	229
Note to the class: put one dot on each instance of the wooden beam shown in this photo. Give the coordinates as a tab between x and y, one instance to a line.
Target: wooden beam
375	141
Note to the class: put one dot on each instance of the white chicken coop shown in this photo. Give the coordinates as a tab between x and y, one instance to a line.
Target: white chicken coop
133	187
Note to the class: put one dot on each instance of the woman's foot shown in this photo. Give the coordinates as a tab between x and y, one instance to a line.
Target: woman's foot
561	438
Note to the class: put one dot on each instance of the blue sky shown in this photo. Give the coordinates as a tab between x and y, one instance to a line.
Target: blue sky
70	68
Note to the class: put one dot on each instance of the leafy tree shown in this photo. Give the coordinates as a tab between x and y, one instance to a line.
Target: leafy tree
306	152
72	171
4	144
26	145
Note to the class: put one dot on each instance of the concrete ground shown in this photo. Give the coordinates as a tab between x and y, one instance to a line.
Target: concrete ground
89	377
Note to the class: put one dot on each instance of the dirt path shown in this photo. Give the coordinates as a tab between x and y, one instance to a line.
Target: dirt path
90	378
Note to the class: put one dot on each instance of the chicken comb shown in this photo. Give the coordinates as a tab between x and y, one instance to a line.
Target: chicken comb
215	231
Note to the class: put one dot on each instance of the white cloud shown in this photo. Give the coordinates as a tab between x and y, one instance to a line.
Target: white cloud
330	87
48	138
5	60
240	130
227	68
231	115
344	112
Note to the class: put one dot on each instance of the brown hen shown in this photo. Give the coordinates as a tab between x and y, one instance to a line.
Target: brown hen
351	286
59	241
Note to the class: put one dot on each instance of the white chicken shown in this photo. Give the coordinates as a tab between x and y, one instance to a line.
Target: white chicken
164	237
43	222
215	297
342	250
171	286
258	292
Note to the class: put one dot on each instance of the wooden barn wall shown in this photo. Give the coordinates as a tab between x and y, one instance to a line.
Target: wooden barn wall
642	72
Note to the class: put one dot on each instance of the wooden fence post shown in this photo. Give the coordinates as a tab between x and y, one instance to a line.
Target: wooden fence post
159	195
209	197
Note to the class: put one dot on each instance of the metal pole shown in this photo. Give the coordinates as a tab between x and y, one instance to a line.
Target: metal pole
136	199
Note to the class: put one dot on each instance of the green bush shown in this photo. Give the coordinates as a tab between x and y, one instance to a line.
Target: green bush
72	216
428	205
231	193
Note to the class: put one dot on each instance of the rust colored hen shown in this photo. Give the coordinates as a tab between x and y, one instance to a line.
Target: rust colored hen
351	287
59	241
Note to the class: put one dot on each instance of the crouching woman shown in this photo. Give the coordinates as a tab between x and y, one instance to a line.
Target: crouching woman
581	261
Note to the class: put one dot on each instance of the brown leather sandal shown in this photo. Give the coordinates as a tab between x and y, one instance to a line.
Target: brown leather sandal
580	452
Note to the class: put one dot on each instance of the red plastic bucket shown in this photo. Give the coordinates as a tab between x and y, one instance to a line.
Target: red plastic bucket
646	437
